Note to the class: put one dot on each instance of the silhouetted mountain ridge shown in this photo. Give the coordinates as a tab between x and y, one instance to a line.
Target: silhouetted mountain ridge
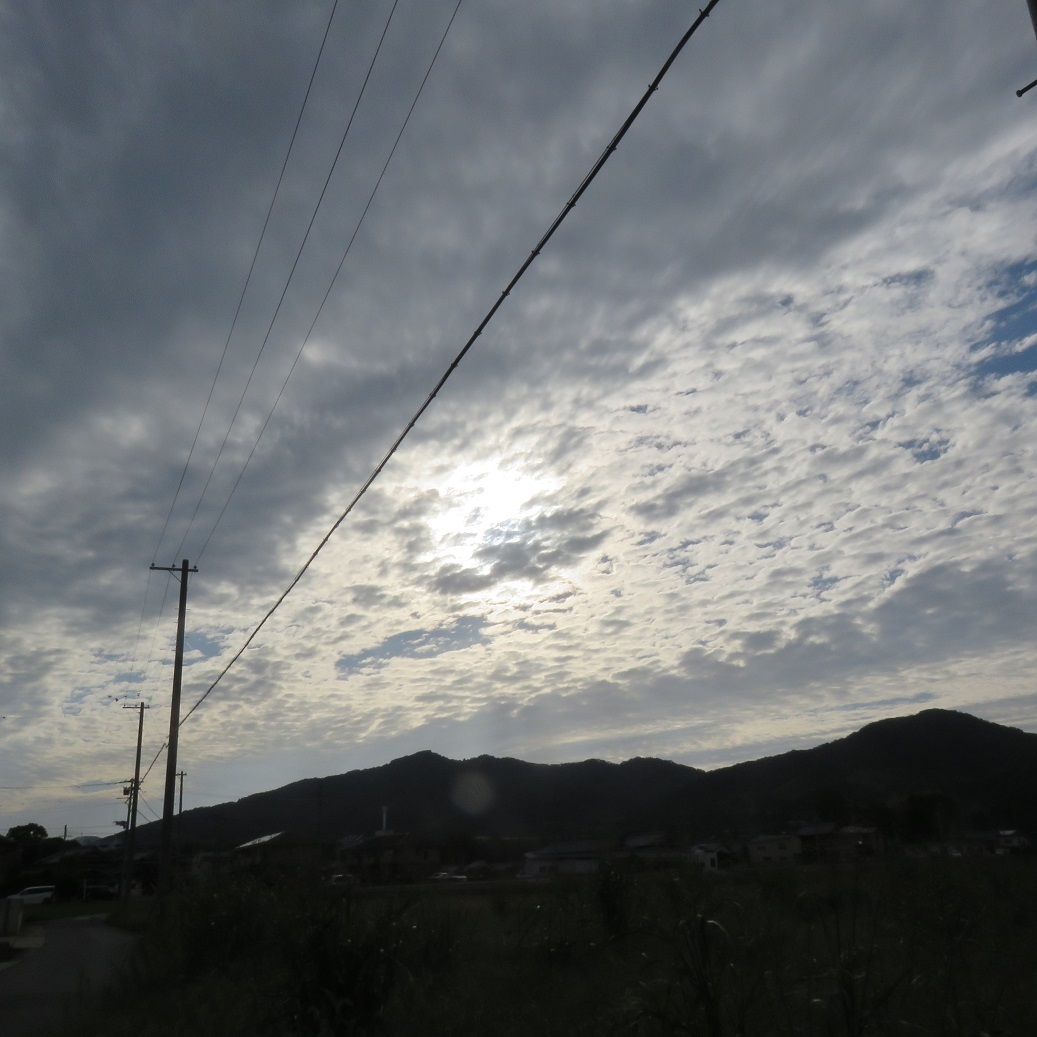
986	773
915	776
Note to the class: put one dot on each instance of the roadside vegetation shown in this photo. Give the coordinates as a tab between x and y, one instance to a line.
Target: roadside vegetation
893	947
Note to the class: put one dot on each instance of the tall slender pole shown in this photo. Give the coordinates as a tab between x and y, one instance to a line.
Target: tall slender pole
180	817
165	863
131	831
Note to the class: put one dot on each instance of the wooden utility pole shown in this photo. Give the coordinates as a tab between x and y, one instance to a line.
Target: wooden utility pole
131	831
165	863
179	817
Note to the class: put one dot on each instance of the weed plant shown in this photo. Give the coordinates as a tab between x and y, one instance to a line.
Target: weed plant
886	948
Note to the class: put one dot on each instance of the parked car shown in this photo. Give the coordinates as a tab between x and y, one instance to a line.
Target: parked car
36	895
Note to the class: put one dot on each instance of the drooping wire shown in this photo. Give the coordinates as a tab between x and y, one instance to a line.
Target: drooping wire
566	209
334	280
291	275
248	279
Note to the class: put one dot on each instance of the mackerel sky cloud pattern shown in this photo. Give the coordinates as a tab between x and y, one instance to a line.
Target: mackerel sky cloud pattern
746	461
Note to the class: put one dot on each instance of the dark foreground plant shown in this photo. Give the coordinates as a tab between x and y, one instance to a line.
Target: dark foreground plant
847	951
895	948
240	957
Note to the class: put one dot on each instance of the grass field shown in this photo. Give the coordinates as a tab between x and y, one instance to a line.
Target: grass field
895	947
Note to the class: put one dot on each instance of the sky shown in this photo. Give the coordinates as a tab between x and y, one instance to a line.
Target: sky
746	461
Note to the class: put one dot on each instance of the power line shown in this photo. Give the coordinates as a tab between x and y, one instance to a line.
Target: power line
154	636
84	785
291	275
248	278
559	219
334	279
226	344
140	625
151	651
349	123
161	750
150	809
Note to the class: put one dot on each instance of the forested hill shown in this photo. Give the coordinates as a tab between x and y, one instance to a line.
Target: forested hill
921	776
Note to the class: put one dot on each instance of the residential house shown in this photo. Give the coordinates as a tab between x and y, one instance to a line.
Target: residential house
824	843
582	857
708	855
775	849
282	854
389	857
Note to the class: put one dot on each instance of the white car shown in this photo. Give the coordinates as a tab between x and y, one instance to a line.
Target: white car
36	895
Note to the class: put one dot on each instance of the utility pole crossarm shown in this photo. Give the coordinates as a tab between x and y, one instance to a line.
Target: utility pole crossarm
173	568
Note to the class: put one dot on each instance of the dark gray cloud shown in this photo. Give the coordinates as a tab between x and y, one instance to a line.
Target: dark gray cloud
533	550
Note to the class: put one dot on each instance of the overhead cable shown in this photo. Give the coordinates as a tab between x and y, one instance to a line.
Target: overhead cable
161	750
82	785
291	275
248	278
230	333
567	208
334	280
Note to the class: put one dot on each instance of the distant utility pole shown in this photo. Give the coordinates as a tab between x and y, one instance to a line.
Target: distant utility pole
131	831
179	817
165	863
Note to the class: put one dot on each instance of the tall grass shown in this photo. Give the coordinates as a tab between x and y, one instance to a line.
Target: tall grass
891	948
933	949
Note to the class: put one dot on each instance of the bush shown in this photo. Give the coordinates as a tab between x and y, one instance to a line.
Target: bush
859	951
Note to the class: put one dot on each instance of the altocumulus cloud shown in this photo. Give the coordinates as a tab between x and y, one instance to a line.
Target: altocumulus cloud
747	459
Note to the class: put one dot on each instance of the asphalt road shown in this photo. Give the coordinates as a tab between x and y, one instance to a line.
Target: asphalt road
43	987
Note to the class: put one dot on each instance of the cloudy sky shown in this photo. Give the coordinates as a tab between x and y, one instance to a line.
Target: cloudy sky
746	461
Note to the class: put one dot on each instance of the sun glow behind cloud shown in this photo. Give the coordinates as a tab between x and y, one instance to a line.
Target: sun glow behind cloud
479	505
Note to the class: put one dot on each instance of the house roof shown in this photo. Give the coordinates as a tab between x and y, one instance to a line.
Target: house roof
259	841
